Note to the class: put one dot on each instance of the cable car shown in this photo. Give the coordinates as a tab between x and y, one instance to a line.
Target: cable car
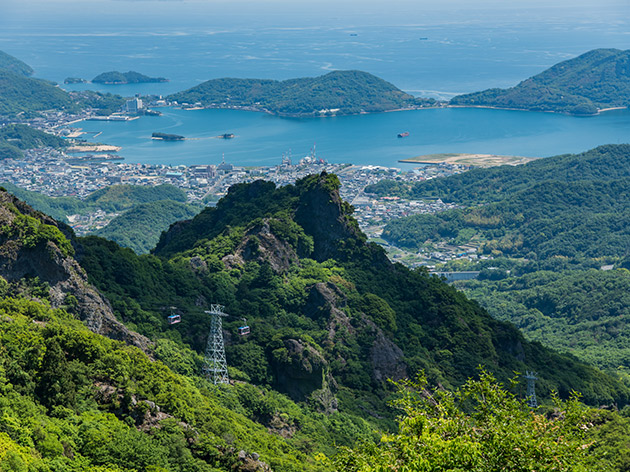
174	319
243	330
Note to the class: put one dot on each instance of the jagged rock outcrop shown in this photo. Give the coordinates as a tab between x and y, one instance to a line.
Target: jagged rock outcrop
32	245
261	245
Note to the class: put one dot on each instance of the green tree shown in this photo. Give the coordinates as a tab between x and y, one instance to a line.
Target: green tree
480	427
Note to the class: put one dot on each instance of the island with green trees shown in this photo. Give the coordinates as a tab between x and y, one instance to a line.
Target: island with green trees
131	77
592	82
167	137
336	93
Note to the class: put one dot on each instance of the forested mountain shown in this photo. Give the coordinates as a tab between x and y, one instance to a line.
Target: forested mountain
578	219
24	94
114	198
331	320
582	312
477	186
547	227
139	228
331	317
338	92
12	64
597	79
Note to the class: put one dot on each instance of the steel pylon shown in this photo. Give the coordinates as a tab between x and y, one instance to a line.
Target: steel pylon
215	368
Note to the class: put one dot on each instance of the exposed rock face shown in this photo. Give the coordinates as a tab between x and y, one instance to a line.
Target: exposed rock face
64	275
387	359
321	213
260	244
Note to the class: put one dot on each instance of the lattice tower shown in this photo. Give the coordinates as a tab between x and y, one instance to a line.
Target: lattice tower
531	389
216	366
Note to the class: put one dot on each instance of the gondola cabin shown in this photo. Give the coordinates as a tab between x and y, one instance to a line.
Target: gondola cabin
243	330
174	319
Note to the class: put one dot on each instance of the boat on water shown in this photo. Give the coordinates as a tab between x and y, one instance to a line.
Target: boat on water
226	136
403	134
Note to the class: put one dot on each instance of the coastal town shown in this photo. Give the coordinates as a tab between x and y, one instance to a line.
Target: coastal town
83	168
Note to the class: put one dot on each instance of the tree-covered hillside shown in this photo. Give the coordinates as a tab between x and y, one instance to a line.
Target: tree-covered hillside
24	94
13	64
27	137
545	227
338	92
478	186
115	198
331	317
139	228
597	79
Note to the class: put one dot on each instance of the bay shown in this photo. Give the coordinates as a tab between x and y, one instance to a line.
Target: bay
261	139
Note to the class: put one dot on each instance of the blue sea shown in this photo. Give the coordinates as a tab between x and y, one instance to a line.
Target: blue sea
431	49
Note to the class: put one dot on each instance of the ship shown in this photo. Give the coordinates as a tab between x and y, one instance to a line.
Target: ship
226	136
404	134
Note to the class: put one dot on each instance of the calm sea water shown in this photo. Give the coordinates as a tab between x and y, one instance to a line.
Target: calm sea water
361	139
427	48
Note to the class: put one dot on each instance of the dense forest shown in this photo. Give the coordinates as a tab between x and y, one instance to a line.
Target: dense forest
292	261
595	80
131	77
547	229
331	319
338	92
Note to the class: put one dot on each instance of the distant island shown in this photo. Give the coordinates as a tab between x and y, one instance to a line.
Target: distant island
336	93
131	77
167	137
74	80
595	81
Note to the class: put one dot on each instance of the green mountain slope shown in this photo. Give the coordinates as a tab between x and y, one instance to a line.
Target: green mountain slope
140	227
331	317
347	91
477	186
74	400
24	94
582	312
579	219
597	79
110	199
14	65
27	137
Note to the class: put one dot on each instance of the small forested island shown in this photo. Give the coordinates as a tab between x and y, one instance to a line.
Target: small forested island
167	137
336	93
74	80
131	77
585	85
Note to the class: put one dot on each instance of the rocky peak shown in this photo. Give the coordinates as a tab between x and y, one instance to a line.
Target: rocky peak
33	245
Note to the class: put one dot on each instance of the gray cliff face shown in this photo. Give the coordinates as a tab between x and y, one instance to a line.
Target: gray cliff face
44	259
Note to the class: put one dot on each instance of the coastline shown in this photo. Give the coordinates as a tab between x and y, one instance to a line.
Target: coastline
490	107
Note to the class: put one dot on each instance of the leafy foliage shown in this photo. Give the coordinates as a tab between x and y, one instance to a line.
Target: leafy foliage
581	86
479	427
348	91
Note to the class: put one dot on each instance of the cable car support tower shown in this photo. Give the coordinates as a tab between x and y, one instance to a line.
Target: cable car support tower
215	368
531	378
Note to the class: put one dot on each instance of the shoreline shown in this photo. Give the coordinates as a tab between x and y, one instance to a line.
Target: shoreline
490	107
